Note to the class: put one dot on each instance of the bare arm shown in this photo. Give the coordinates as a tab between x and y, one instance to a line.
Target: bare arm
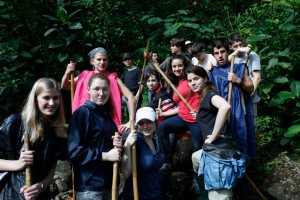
256	79
65	81
33	191
26	158
131	101
223	109
245	83
167	113
126	165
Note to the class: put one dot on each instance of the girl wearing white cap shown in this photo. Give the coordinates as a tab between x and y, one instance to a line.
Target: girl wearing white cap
99	60
149	159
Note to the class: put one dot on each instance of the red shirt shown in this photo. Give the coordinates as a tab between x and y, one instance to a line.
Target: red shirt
191	97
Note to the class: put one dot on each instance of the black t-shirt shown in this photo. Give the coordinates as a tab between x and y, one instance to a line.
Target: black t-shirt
131	79
207	114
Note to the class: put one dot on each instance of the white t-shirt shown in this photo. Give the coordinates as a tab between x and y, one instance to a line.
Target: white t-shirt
210	60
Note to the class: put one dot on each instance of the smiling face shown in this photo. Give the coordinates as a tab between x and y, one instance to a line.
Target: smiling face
48	102
99	91
178	67
221	55
100	61
147	127
196	83
152	83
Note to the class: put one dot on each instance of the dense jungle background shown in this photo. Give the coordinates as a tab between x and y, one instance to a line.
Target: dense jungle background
39	38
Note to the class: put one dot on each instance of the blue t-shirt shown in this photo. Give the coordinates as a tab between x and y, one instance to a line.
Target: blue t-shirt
150	180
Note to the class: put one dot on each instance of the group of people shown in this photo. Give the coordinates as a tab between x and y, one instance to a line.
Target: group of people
198	106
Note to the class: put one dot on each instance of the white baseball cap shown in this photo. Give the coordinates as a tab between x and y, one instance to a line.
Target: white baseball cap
145	113
187	42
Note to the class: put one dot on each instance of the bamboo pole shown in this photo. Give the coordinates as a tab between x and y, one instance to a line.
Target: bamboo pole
158	107
28	168
115	175
173	87
72	85
134	167
142	76
72	98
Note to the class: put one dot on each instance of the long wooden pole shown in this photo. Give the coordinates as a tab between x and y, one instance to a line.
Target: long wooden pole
72	85
158	107
28	169
72	98
134	167
142	76
115	175
173	87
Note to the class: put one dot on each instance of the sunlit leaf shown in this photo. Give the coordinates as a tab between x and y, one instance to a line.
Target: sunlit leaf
295	87
276	102
55	44
61	13
191	25
281	79
257	38
183	12
284	53
293	131
169	20
170	32
71	38
285	65
284	141
26	54
62	57
286	95
50	31
51	18
266	88
154	20
75	25
272	62
74	13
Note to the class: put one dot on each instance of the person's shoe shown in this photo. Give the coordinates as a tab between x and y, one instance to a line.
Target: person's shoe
166	169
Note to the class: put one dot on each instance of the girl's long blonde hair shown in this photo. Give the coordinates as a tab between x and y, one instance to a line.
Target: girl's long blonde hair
32	119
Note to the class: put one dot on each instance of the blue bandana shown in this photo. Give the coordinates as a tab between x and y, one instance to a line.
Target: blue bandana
96	50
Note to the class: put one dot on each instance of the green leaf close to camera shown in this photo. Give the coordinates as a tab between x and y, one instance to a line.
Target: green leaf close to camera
293	131
55	44
275	102
286	95
50	31
26	54
62	57
295	87
75	25
266	88
281	80
62	13
154	20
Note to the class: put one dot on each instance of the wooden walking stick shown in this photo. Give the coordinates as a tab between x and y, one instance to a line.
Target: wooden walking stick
173	87
134	167
229	101
115	175
73	197
158	107
230	87
142	76
28	169
72	85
